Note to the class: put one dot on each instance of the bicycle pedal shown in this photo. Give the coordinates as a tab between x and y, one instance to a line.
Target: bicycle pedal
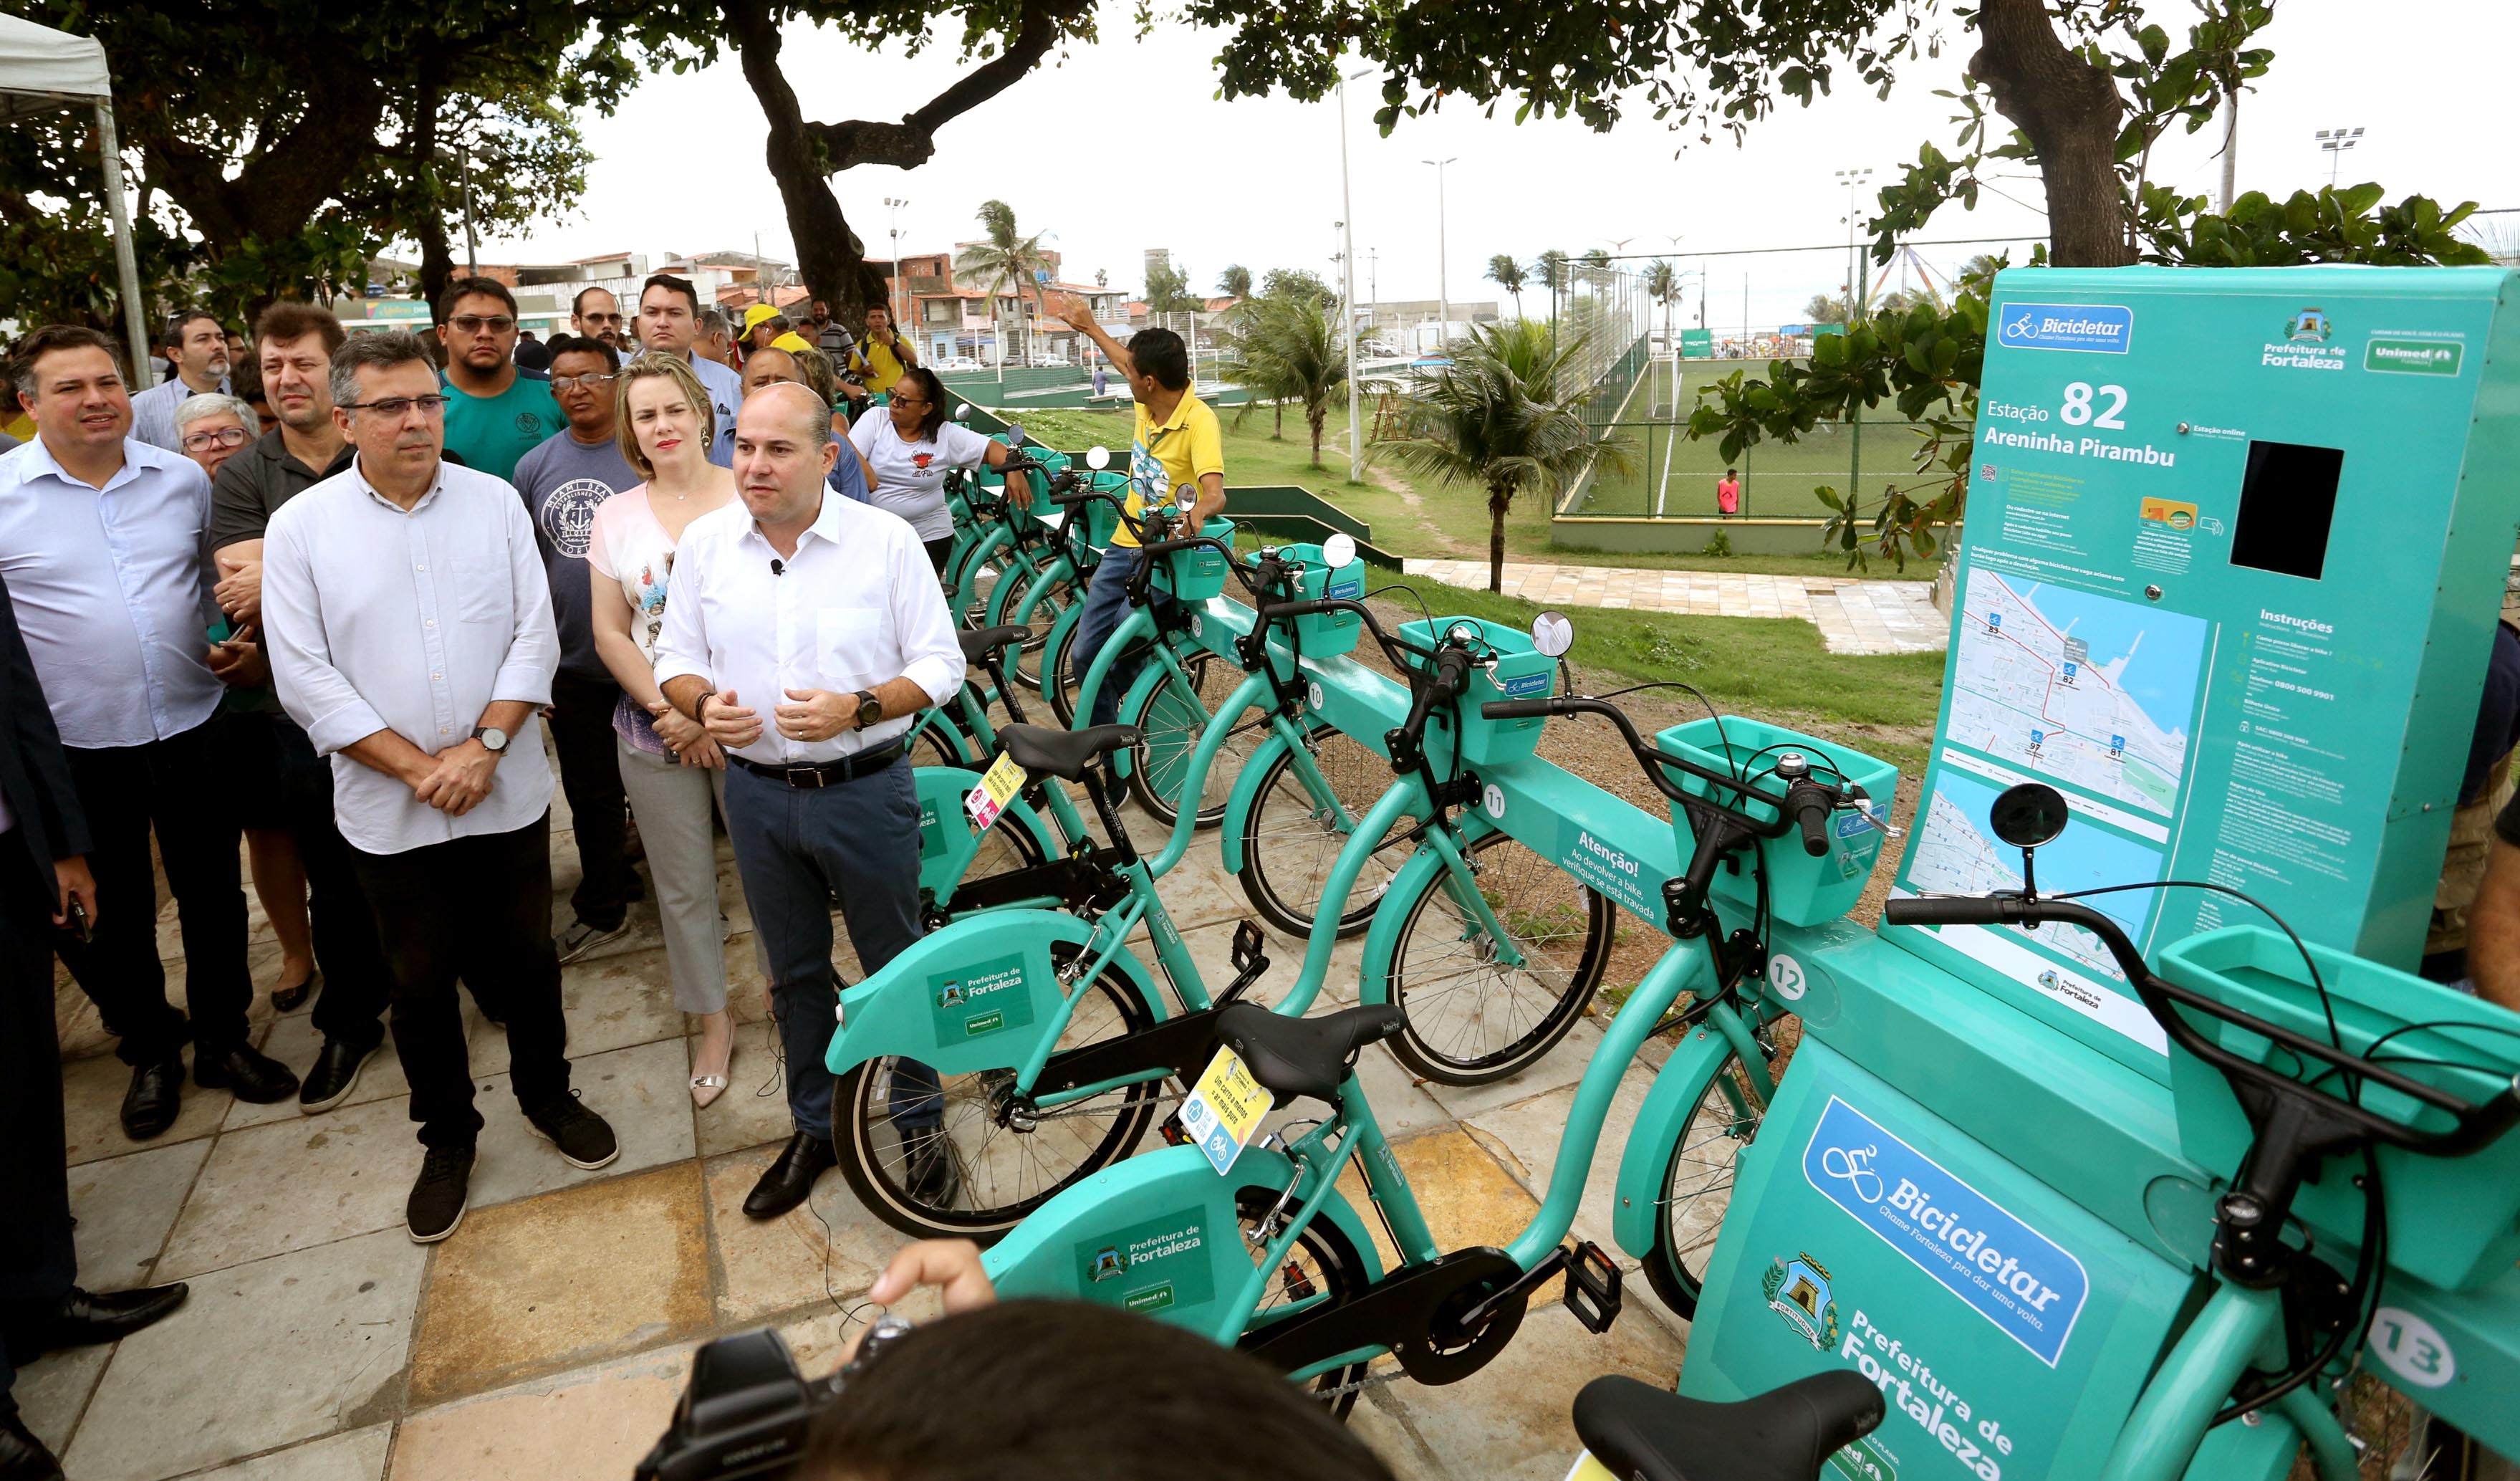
1591	1287
1173	1132
1250	962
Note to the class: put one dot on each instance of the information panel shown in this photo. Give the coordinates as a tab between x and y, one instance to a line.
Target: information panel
2236	543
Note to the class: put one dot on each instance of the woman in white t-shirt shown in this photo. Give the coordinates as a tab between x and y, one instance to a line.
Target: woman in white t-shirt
910	446
670	767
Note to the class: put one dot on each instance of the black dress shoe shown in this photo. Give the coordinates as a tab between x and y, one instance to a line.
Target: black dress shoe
789	1180
287	999
87	1318
155	1095
334	1075
22	1457
928	1174
249	1073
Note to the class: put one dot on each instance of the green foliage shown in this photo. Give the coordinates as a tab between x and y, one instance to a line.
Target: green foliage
1506	416
1717	543
1169	289
1507	274
1286	347
1003	264
1296	283
1234	282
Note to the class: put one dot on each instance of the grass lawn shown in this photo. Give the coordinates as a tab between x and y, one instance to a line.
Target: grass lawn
1413	519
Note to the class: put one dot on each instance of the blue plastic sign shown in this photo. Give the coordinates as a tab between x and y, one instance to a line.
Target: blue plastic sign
2103	329
2010	1274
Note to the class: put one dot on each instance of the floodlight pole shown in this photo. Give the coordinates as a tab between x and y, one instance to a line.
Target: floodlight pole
1347	293
1443	281
134	319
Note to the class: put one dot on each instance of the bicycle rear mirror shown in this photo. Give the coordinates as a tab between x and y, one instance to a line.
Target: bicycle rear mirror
2029	816
1552	632
1338	550
962	412
1014	434
1098	457
1186	497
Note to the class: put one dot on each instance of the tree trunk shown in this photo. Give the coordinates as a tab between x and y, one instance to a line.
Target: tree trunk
829	257
436	257
2071	112
1499	499
1317	413
1278	434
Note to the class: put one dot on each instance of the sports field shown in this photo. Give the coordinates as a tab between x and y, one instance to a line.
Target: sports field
1670	474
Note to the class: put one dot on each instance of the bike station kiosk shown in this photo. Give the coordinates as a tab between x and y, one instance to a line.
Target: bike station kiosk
2236	543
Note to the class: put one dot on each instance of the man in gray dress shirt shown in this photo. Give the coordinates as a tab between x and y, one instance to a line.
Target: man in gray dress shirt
104	546
410	631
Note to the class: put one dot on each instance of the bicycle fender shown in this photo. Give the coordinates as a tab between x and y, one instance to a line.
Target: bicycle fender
1676	1092
1246	794
946	848
1157	1235
1133	710
976	995
1383	937
1060	632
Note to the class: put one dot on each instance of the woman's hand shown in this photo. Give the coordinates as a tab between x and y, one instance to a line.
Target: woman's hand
684	737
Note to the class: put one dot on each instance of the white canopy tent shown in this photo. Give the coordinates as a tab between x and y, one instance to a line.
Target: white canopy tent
42	69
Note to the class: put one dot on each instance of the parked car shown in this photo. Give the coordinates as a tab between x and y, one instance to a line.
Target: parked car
1051	360
957	365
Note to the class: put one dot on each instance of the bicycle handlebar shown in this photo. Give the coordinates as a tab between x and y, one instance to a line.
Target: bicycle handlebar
1811	804
1802	799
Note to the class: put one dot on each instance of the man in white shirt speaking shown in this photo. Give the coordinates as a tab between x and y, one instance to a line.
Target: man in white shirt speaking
805	632
409	625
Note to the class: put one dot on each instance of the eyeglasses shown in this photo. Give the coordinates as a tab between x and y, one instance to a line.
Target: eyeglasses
225	436
593	383
473	323
600	318
394	408
898	399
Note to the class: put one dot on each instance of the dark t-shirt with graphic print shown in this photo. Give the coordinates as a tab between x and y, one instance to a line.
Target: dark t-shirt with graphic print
562	480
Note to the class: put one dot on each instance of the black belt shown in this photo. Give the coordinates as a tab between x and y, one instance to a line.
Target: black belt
865	763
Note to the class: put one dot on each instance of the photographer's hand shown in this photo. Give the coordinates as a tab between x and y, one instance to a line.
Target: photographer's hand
953	1266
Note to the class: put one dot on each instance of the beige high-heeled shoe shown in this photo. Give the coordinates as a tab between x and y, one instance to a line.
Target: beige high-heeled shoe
705	1088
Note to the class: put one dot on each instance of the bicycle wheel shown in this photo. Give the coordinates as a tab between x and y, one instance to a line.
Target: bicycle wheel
1697	1184
1068	674
934	743
1321	1265
1171	726
1006	1164
1054	600
1290	838
1006	848
1471	1019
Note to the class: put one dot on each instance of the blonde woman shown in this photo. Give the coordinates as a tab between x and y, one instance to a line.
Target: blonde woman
672	771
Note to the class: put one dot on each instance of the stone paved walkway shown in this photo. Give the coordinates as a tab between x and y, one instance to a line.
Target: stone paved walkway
551	1336
1853	616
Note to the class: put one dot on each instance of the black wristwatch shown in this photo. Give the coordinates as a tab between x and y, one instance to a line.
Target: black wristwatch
493	740
870	709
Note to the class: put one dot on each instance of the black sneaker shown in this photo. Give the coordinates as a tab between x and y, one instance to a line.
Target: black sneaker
585	1140
438	1198
334	1075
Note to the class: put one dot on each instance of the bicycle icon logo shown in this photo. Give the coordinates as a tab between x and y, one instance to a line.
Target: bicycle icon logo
2022	329
1855	1165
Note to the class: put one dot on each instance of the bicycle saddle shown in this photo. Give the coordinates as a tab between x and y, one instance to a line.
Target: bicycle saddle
1304	1057
1063	753
1785	1435
978	646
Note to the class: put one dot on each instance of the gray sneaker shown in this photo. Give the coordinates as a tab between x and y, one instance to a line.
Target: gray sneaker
582	939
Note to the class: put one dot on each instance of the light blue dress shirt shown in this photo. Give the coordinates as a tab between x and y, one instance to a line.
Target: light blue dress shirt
726	398
153	411
112	589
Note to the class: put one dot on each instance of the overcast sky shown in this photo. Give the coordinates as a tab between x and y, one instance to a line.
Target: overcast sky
1123	146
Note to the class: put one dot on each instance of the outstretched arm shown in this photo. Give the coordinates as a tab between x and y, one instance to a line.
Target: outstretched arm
1079	316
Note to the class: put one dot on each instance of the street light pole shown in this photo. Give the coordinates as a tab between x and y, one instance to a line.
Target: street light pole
1443	281
1347	293
900	281
472	246
2335	141
1850	179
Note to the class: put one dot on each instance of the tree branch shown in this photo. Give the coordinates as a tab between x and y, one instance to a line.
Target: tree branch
912	142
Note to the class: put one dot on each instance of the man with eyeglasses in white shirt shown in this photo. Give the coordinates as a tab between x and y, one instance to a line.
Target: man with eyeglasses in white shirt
409	627
805	631
669	321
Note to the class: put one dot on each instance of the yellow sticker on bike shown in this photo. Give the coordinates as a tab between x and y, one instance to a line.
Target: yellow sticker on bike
998	786
1589	1469
1224	1109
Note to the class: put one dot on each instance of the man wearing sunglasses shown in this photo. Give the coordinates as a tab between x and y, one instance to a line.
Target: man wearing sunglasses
596	314
494	416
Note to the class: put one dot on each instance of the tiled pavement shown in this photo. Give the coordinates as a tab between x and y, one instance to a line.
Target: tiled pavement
1853	616
549	1338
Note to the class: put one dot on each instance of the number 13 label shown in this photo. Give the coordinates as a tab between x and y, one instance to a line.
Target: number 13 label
2413	1347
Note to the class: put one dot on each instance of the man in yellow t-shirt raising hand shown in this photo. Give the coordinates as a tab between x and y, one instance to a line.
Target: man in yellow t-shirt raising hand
1176	441
880	356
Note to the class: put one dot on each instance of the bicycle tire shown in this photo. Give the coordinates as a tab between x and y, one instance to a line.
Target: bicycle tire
1327	1255
1170	731
1437	936
997	1196
934	744
1006	848
1700	1170
1063	664
1054	602
1289	844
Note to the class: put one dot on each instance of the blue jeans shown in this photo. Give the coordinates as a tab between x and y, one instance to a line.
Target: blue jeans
797	847
1107	604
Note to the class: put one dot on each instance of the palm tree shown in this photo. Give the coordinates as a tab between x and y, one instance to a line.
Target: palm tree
1234	282
1662	285
1290	348
1507	274
1596	270
1005	261
1551	270
1506	416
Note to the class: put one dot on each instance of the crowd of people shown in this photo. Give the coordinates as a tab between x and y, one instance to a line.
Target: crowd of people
316	600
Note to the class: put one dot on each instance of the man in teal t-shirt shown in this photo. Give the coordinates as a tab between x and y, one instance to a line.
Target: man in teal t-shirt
494	416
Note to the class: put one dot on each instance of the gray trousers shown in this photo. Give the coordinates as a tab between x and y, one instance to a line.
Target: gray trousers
672	803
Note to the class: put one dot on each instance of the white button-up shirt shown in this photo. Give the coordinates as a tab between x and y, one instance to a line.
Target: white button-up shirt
111	590
855	607
378	619
153	411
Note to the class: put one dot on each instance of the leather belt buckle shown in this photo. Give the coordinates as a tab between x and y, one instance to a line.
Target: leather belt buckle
805	776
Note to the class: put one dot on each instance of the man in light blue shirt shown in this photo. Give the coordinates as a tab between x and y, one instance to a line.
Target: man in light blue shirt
105	547
197	353
669	317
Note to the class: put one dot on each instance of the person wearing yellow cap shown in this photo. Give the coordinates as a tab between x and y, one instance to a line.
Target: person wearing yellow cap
763	324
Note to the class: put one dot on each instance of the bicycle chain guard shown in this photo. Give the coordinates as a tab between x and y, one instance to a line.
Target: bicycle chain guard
1415	1312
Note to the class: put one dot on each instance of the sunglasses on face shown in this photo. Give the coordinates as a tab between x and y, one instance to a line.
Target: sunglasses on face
613	319
593	383
473	323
